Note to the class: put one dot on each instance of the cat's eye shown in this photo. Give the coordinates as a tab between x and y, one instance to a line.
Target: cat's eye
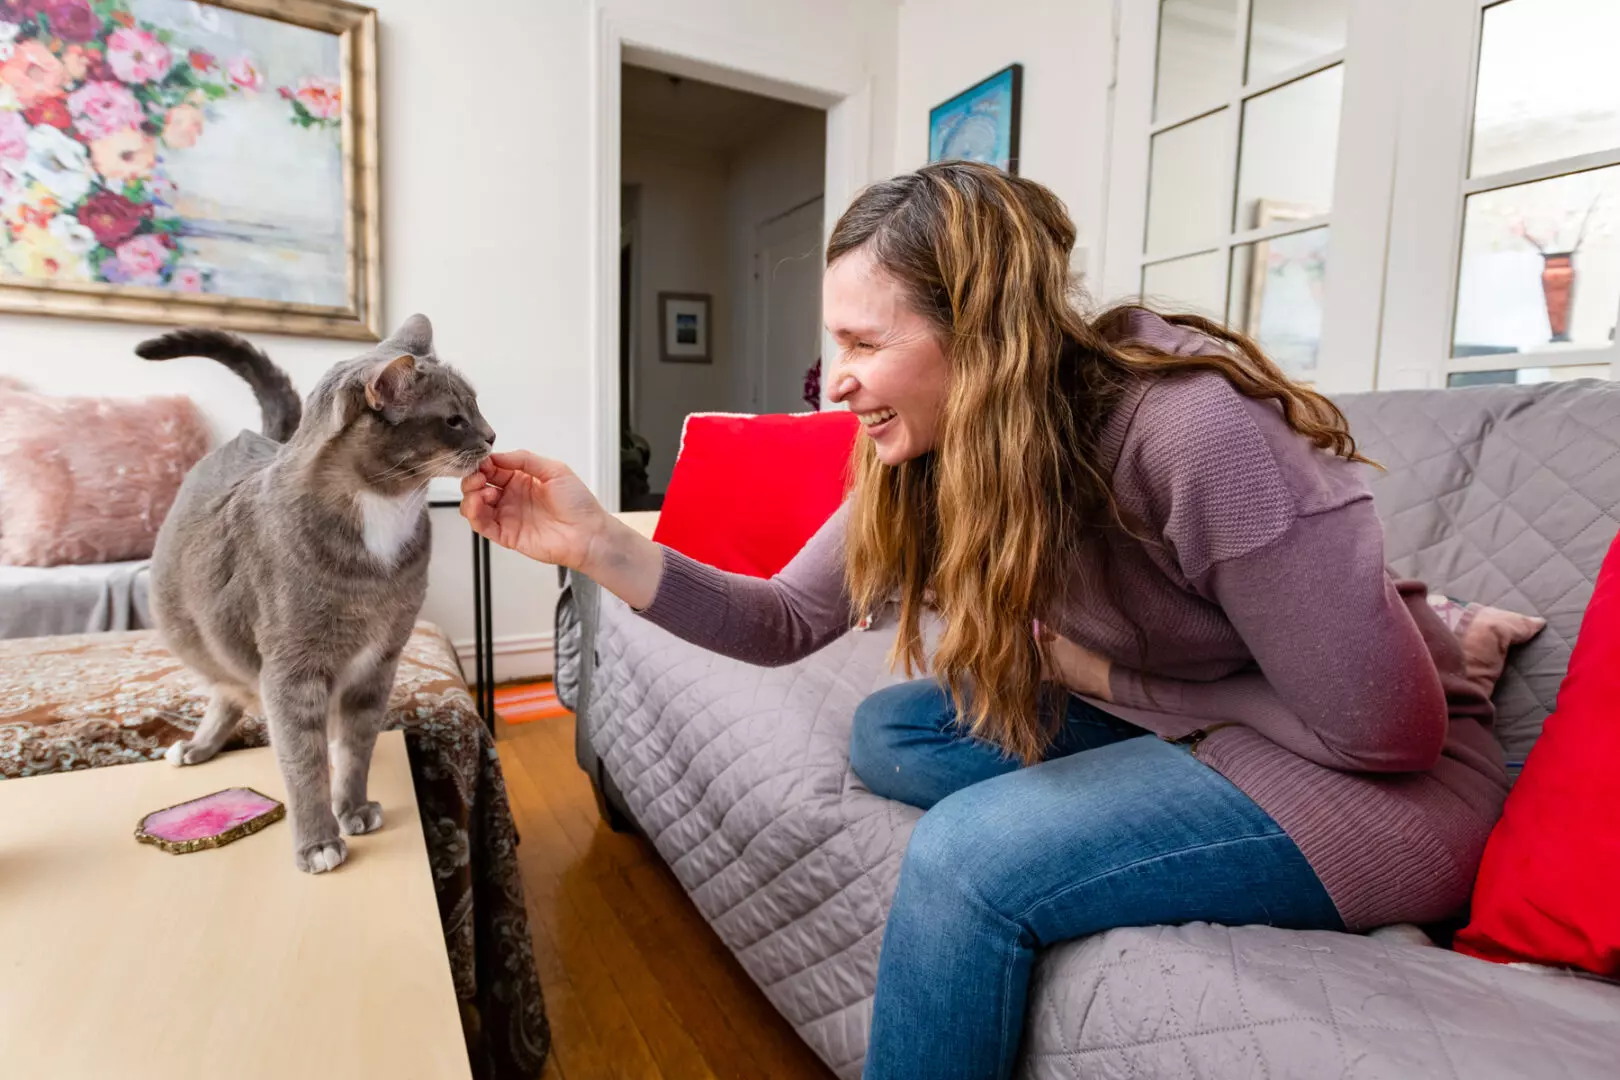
457	421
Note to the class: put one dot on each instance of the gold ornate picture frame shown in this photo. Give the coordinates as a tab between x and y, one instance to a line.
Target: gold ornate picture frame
179	163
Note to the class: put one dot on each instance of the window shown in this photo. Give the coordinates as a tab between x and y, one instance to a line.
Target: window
1505	258
1237	107
1254	179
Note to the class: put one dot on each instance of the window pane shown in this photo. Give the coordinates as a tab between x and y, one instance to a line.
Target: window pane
1194	284
1283	34
1197	66
1277	289
1289	150
1184	185
1540	266
1525	376
1548	87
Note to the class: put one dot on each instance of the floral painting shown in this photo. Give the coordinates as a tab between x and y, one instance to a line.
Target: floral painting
190	148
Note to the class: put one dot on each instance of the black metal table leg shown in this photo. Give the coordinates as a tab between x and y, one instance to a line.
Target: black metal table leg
488	635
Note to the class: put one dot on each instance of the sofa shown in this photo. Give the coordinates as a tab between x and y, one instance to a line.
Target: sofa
1505	495
37	601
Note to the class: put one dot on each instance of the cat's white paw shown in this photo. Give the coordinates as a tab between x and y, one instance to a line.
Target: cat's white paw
365	818
321	857
176	754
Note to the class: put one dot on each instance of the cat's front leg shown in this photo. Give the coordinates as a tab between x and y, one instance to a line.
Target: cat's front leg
296	704
362	709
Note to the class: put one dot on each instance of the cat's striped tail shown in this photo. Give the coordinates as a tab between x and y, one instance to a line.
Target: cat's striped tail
278	401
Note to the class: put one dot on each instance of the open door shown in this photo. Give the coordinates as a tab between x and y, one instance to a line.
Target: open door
787	276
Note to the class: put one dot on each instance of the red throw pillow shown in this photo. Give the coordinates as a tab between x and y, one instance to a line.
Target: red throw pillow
748	491
1549	886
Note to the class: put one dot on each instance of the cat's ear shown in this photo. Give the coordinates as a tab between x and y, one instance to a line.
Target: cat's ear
389	381
414	336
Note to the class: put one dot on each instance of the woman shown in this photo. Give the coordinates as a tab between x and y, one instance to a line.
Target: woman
1147	513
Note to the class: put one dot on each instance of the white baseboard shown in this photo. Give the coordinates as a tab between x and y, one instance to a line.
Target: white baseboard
517	656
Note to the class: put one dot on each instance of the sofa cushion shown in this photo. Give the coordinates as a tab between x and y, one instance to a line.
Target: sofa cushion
1504	495
748	491
1549	884
89	480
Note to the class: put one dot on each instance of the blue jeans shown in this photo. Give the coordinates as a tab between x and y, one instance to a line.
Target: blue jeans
1114	828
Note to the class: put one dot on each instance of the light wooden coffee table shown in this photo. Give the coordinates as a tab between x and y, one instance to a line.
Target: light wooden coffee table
121	960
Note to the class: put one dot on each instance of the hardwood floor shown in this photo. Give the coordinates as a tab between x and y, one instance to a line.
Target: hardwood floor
636	982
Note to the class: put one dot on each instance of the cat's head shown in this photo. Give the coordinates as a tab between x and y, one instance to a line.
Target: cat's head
397	417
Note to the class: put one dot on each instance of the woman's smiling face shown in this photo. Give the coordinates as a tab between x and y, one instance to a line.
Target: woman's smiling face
891	371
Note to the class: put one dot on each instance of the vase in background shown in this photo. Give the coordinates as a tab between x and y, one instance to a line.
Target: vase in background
1558	286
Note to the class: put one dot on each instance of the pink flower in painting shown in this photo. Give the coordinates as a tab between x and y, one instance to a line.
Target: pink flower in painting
137	56
34	73
13	137
142	259
104	108
246	74
183	126
124	155
186	279
322	98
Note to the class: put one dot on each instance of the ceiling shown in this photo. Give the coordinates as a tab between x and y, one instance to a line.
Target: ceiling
698	114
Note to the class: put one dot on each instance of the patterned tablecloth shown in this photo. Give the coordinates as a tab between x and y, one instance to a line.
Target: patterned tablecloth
85	701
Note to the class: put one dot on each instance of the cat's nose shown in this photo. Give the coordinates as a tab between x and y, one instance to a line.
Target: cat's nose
489	434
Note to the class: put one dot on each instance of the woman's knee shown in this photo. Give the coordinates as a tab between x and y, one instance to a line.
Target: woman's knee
886	729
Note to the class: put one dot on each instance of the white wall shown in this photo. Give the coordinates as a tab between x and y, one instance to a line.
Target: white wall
487	227
681	241
1066	47
769	176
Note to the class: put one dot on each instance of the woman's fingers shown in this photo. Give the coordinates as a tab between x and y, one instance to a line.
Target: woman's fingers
526	462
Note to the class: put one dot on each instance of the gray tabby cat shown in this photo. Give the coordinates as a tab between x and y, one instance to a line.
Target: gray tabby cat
293	564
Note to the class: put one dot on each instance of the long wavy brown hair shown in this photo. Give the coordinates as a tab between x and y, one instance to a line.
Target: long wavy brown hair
987	525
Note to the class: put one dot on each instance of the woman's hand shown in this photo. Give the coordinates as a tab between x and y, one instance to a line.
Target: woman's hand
534	506
1076	667
541	509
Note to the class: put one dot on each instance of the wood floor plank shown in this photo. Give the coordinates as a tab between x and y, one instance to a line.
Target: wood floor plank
637	1008
544	856
616	912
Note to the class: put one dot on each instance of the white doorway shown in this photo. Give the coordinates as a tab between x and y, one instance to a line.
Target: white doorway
804	72
787	287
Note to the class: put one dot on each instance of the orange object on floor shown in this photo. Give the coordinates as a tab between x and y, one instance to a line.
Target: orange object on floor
528	701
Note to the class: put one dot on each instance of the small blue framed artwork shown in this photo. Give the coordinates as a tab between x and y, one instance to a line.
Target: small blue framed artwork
980	123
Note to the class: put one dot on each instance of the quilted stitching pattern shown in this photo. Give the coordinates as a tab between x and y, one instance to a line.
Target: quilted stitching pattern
1208	1001
1506	495
740	776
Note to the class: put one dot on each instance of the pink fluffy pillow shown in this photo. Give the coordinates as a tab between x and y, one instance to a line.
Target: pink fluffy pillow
86	480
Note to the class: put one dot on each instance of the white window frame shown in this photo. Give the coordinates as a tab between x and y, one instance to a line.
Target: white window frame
1362	186
1426	224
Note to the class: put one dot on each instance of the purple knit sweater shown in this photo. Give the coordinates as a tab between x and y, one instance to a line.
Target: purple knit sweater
1330	692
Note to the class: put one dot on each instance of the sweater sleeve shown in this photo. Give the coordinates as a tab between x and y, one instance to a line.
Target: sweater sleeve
1345	678
766	622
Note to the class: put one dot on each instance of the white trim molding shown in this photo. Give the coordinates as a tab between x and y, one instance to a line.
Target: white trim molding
517	656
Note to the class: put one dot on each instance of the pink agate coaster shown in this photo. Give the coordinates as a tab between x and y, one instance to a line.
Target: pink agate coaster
211	821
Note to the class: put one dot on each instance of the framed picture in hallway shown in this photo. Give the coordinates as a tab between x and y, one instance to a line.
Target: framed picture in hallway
683	320
144	163
981	123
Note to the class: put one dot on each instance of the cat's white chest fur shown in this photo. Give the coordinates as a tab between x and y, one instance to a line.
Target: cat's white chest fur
388	522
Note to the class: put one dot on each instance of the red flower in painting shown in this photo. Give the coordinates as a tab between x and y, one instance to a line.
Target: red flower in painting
122	18
52	112
72	20
201	61
112	217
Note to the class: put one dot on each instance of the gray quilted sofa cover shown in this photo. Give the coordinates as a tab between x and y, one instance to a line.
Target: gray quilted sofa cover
740	777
